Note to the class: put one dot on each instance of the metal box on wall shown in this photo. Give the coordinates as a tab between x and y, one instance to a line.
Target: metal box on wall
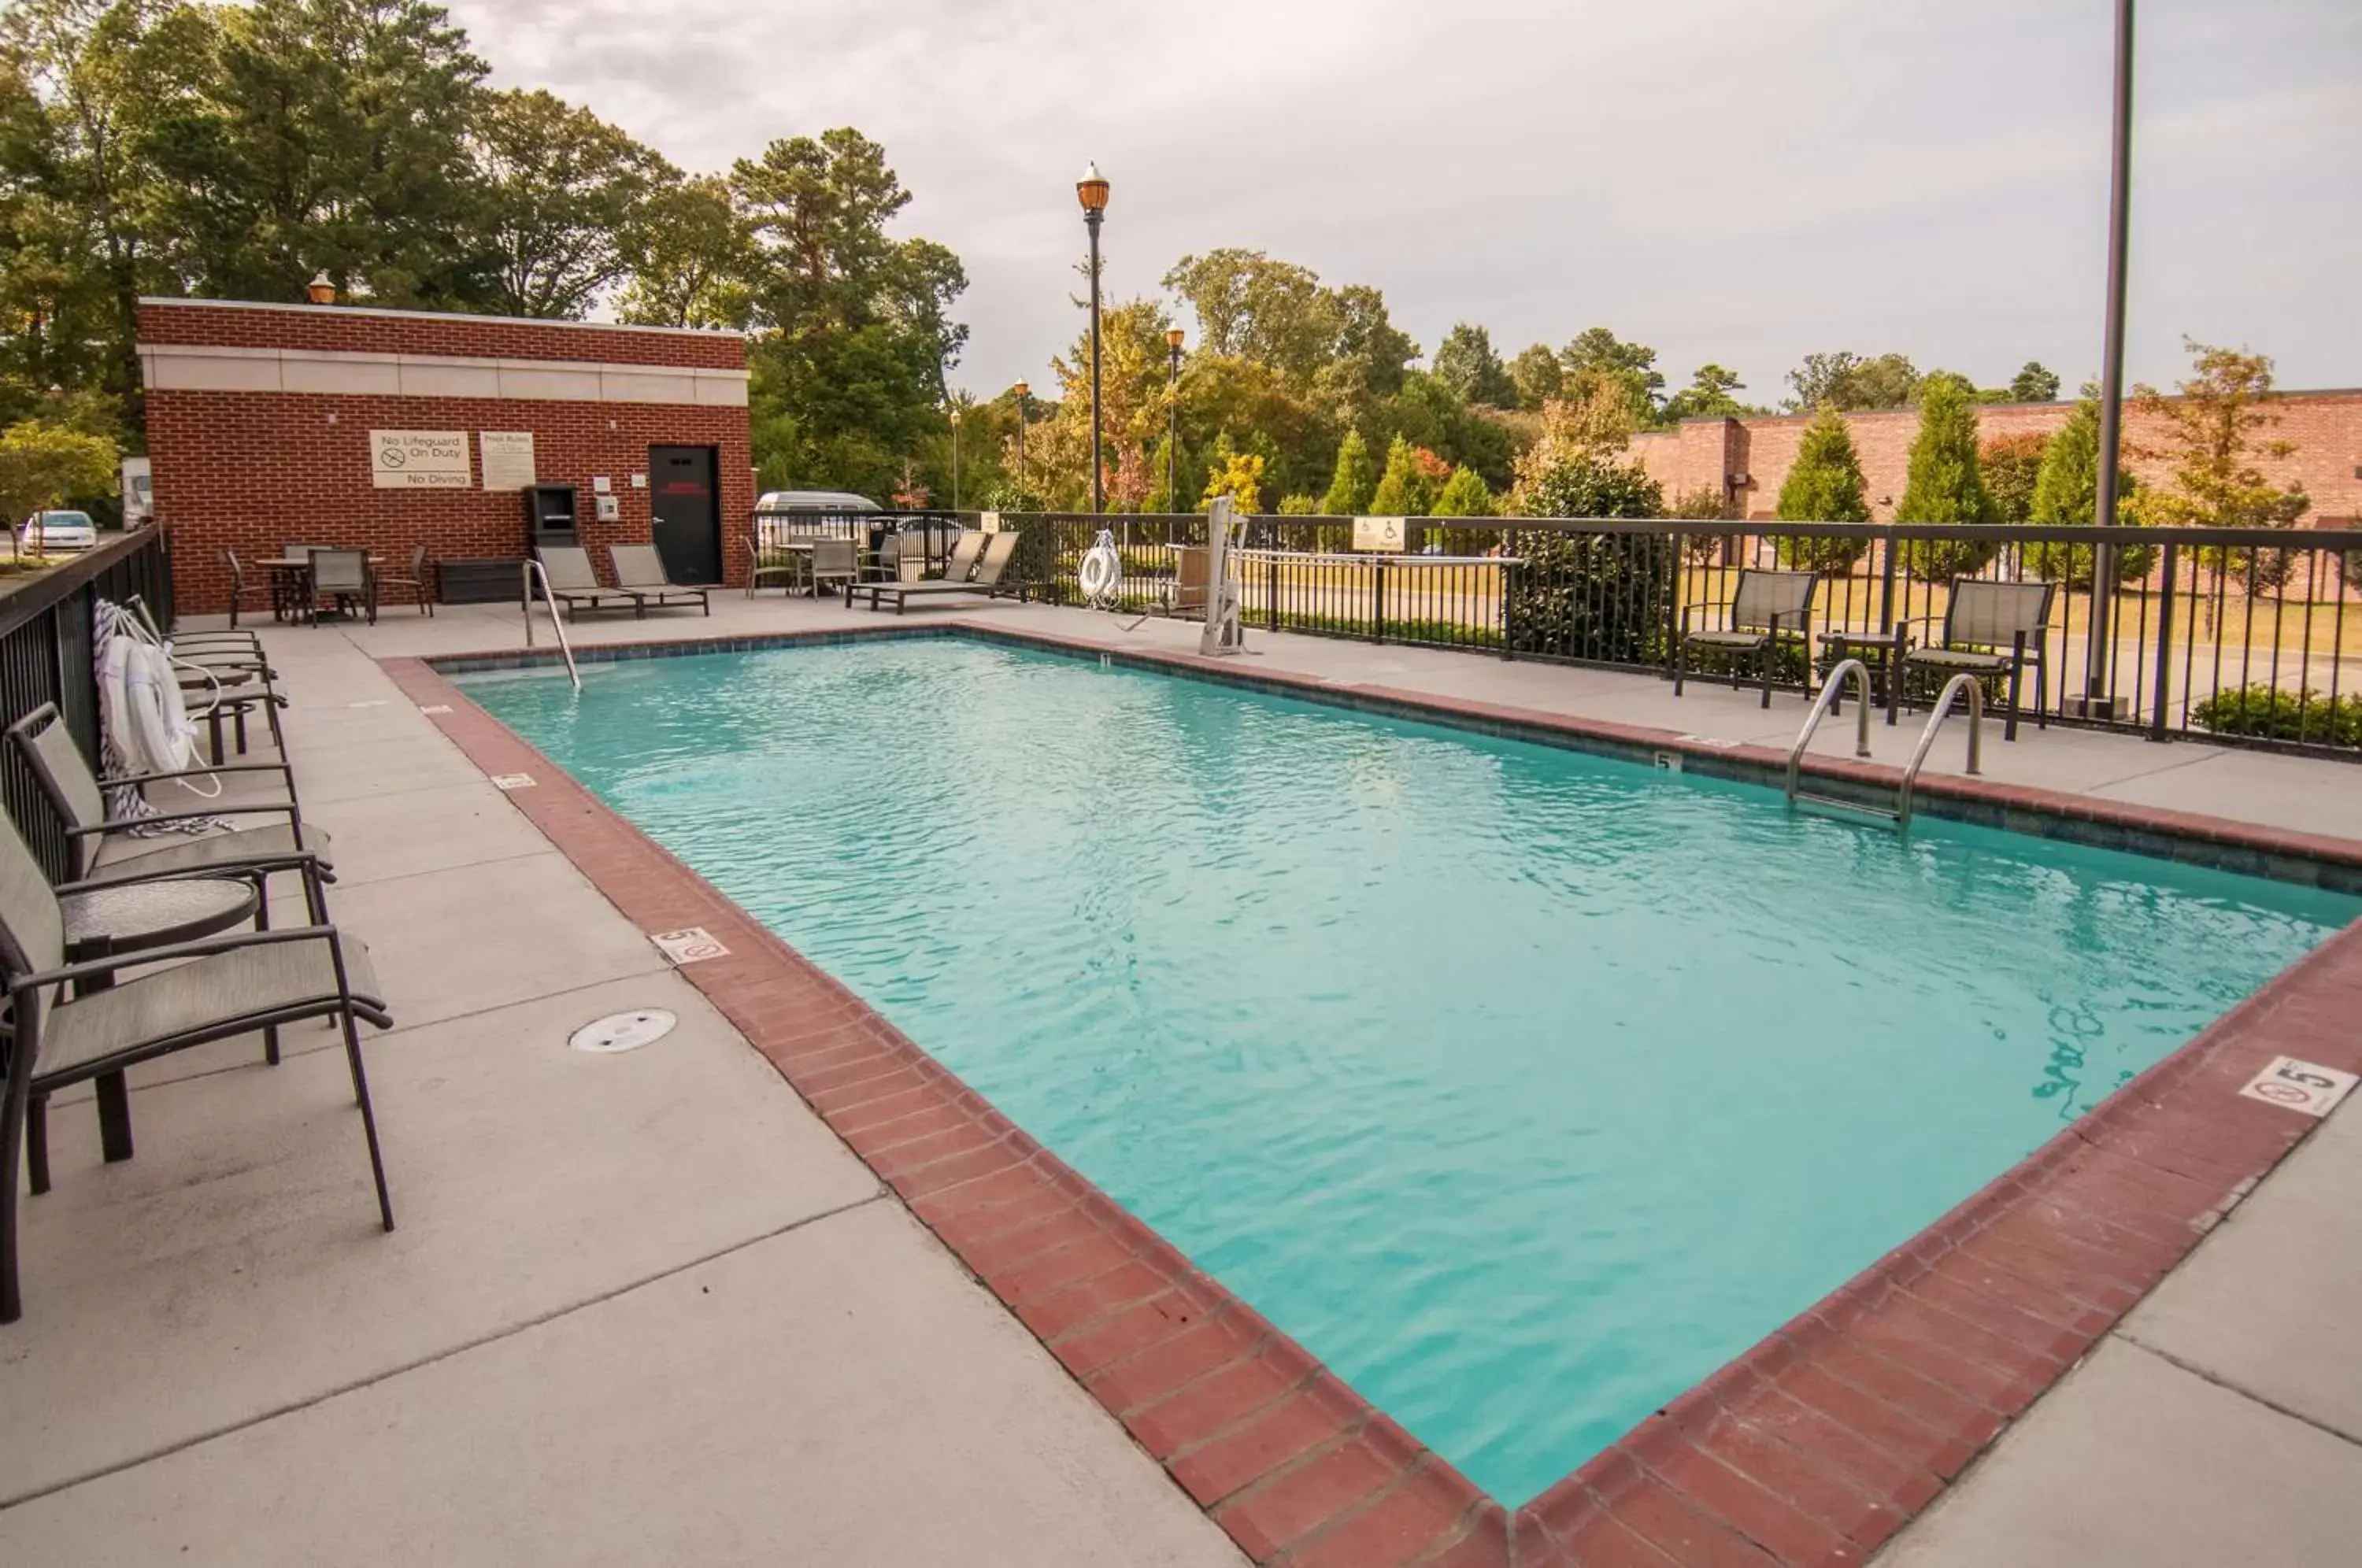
552	515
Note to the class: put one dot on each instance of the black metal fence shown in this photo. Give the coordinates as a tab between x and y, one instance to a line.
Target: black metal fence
47	641
2248	637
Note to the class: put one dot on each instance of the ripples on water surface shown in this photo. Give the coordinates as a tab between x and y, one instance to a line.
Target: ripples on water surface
1524	1087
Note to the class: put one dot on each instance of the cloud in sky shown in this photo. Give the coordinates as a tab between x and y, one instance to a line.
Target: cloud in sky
1724	179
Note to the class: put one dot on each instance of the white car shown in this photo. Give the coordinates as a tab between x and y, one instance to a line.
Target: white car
59	532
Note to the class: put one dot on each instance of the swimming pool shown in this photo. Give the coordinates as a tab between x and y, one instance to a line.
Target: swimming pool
1521	1086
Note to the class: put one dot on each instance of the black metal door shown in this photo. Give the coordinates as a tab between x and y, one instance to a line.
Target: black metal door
688	511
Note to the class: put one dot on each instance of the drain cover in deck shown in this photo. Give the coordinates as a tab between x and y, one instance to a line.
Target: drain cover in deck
623	1031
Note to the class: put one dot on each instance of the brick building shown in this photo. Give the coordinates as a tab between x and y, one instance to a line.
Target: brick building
276	425
2325	427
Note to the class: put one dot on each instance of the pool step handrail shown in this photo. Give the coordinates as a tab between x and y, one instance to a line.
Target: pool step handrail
535	572
1927	738
1832	692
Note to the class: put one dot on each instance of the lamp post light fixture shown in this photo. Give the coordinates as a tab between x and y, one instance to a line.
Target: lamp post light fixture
321	290
1173	423
956	493
2098	701
1091	190
1023	391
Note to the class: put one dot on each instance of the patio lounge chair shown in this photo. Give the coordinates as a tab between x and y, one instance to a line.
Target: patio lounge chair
574	583
1768	605
228	986
640	570
989	570
960	565
1989	627
103	848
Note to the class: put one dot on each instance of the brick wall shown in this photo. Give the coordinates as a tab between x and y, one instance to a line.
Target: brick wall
2325	427
355	330
254	472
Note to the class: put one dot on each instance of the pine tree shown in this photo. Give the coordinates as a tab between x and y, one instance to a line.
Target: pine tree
2065	494
1825	486
1465	494
1945	486
1404	490
1350	490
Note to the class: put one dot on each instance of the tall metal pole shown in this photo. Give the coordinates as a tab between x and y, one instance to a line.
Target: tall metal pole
956	495
1022	390
1092	216
1173	431
2112	376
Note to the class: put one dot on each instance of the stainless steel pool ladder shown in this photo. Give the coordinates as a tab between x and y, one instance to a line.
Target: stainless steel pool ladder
1927	738
535	572
1832	692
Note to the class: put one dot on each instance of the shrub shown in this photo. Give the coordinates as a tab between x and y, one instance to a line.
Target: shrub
2273	713
1299	505
1404	490
1355	478
1465	494
1825	486
1945	486
1604	597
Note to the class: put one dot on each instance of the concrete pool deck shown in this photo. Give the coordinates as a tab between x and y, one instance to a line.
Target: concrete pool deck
647	1307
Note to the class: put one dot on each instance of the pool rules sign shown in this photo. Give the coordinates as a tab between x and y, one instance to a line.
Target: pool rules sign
419	460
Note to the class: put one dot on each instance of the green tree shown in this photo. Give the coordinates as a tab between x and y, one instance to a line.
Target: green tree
2067	495
2209	438
1605	597
1709	397
1824	485
42	464
687	256
1466	364
1404	489
1538	376
1274	313
2010	466
858	330
1370	354
1597	355
1850	382
2034	383
560	188
1944	484
1354	481
1236	474
1465	494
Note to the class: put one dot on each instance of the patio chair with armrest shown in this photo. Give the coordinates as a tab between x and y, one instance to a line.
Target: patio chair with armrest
767	562
574	583
101	846
1989	628
214	988
414	576
640	568
238	586
344	578
1766	606
835	563
990	570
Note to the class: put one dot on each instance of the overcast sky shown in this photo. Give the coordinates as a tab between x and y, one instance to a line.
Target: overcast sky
1726	179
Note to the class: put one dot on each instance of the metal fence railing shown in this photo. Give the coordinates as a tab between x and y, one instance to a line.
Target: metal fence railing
46	655
2248	637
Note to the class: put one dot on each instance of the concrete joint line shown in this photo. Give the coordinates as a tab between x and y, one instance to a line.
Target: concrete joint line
498	1334
2350	1439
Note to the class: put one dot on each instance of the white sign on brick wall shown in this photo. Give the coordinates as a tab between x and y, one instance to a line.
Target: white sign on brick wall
419	460
508	458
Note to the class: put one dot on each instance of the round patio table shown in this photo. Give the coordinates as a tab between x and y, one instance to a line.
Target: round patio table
135	918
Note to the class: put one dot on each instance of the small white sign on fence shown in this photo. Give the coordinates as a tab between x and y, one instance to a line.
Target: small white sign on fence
988	521
1383	534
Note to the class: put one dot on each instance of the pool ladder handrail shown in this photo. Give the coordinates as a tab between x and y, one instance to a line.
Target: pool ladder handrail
534	570
1832	692
1927	738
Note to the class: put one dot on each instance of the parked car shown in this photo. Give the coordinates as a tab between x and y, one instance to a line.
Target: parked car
59	533
827	502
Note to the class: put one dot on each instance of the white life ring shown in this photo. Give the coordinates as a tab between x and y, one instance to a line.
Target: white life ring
1101	571
162	738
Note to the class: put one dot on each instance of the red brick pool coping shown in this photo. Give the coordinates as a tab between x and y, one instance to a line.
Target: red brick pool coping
1812	1446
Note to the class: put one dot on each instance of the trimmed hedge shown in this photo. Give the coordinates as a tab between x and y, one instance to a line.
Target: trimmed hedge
2271	713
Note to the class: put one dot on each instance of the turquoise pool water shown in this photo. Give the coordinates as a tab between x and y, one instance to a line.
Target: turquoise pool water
1523	1087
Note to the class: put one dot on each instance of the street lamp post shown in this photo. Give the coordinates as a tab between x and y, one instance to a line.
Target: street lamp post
2098	702
1091	190
1023	391
1173	423
956	495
